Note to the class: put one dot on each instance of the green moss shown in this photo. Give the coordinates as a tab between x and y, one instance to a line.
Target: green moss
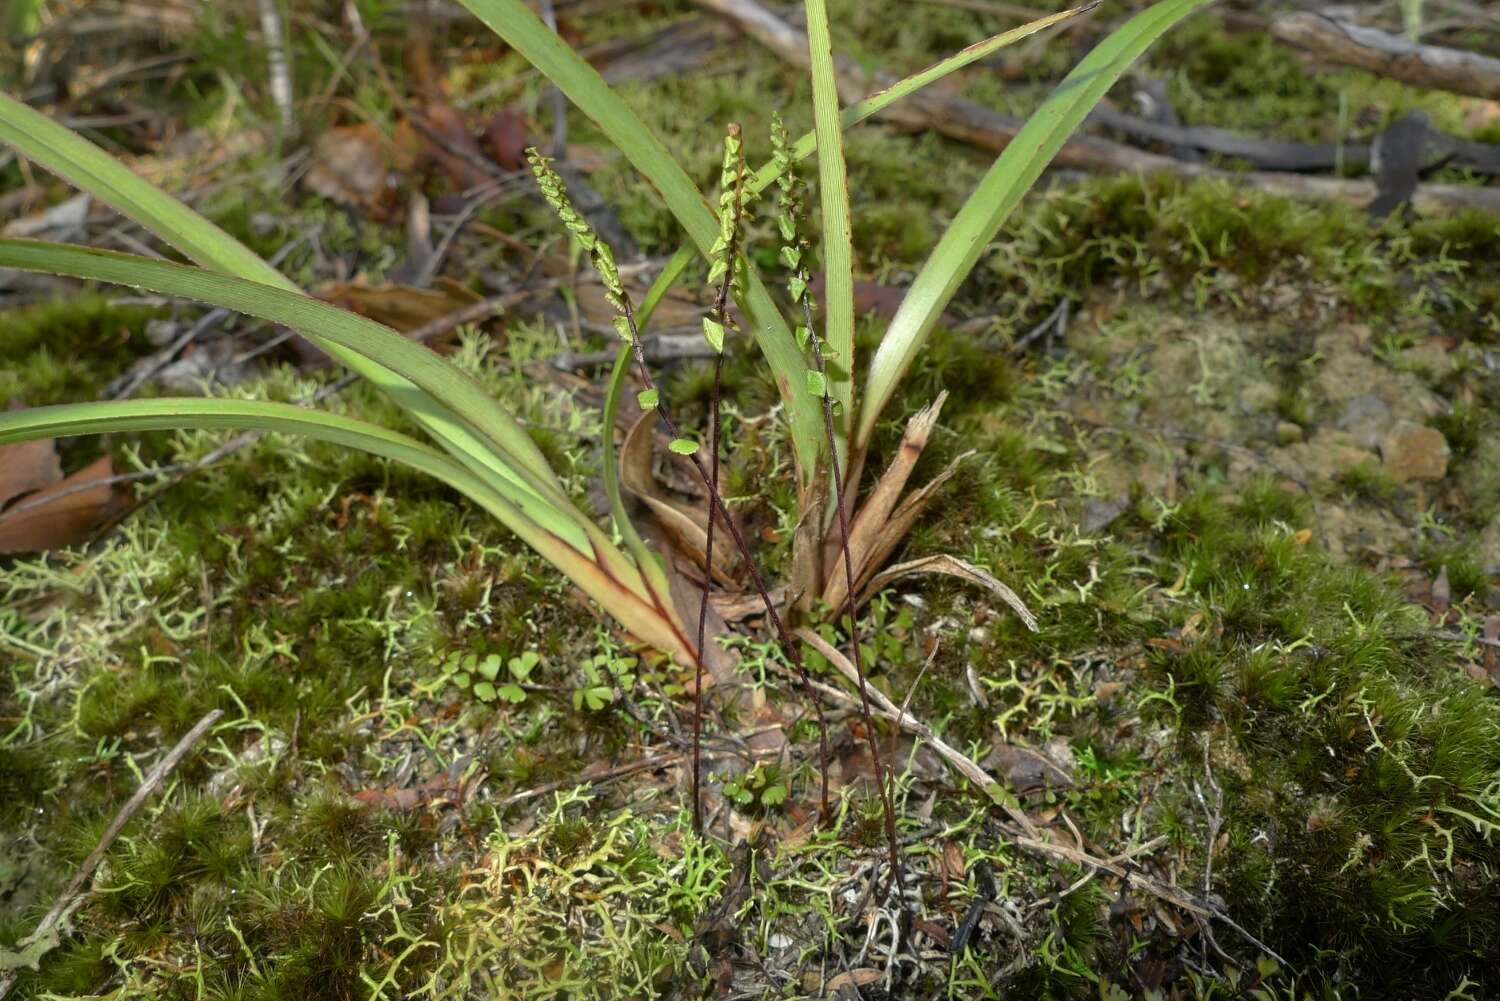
1370	481
1354	778
69	349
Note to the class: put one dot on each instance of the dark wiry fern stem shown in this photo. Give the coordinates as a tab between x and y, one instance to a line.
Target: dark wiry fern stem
793	255
731	209
650	398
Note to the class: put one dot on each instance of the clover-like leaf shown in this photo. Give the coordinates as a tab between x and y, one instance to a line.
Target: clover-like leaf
684	446
512	693
773	795
648	399
522	666
490	667
816	384
485	691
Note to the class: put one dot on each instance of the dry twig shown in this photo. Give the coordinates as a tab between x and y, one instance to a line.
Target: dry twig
987	129
72	896
1390	55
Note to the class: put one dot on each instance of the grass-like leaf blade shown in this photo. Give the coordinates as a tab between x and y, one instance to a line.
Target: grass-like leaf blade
1011	176
625	598
833	196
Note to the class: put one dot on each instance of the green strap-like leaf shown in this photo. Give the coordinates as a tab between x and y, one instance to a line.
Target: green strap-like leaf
645	559
79	161
1012	175
513	21
446	397
858	112
88	168
623	597
833	194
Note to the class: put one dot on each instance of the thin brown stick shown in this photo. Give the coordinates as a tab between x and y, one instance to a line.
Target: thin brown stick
720	316
961	762
1032	838
69	899
708	574
619	771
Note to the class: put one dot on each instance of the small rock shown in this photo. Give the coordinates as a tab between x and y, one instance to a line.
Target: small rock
1487	552
1099	513
1414	452
1431	359
1367	417
1288	433
1328	455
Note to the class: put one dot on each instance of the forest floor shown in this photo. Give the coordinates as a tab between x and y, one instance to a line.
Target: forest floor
1239	454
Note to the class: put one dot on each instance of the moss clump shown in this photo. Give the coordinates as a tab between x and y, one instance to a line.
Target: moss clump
67	350
1354	758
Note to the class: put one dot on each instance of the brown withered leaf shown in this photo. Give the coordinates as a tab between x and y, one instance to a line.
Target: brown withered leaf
685	524
434	790
505	138
872	519
351	164
953	867
401	307
62	514
27	466
449	145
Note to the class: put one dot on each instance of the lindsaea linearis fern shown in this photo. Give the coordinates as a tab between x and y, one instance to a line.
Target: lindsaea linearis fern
473	444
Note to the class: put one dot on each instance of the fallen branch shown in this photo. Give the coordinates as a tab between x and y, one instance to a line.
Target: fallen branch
1390	55
1279	154
46	937
979	126
883	706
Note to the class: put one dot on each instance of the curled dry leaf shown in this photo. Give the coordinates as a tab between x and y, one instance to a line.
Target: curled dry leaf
686	525
954	567
852	980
